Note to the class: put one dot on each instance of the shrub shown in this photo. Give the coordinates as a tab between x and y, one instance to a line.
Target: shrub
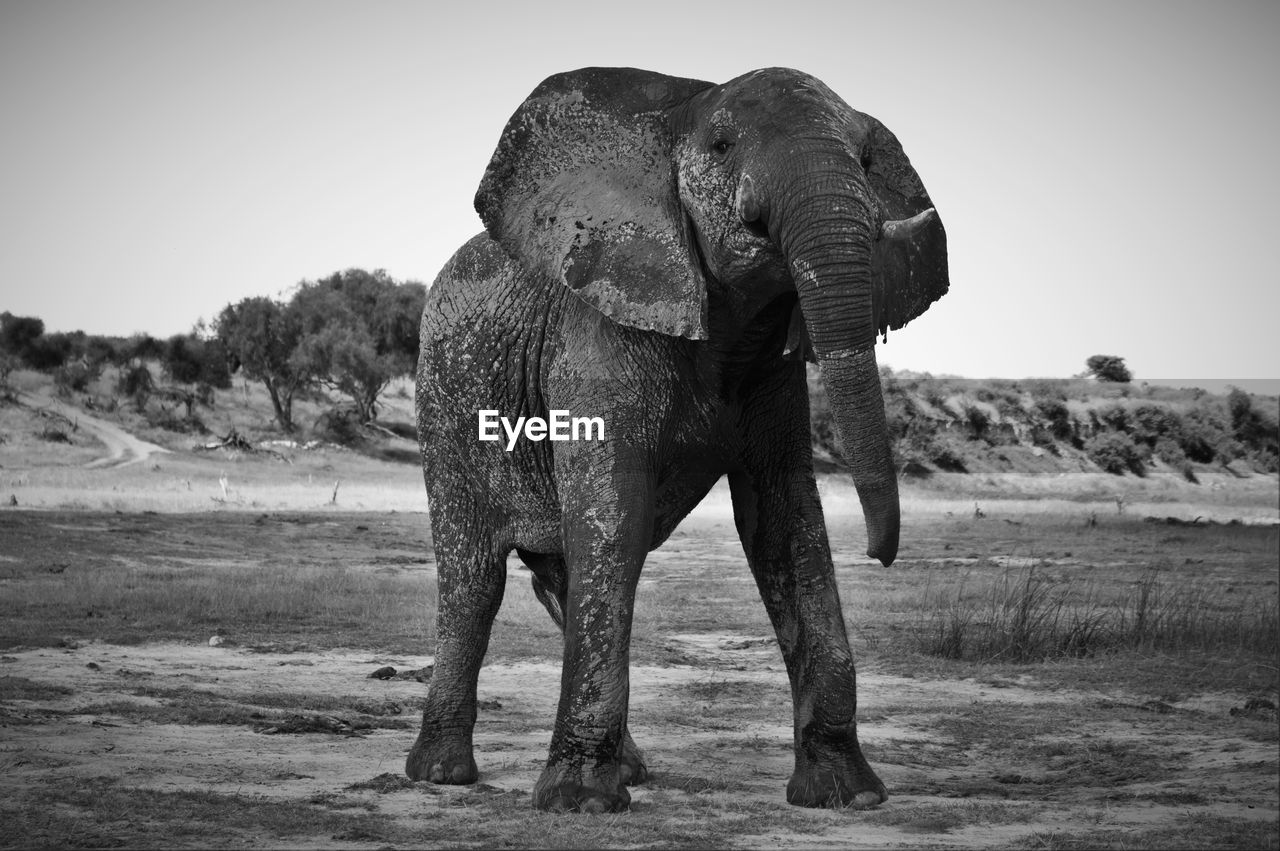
8	363
169	420
1114	417
1151	424
932	393
1170	452
1046	389
945	456
978	421
1206	436
53	434
1115	453
189	359
49	352
341	425
1058	417
900	411
1254	430
74	377
136	383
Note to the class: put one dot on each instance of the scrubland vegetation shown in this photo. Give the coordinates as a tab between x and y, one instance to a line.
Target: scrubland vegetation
1065	425
339	343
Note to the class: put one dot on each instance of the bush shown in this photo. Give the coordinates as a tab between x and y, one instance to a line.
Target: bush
1057	416
1114	417
75	377
8	363
900	411
1151	424
53	434
49	352
188	359
1170	452
18	334
169	420
1115	453
1254	430
1205	437
136	383
946	456
978	421
342	426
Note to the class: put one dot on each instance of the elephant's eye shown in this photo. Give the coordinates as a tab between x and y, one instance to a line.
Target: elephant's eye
720	147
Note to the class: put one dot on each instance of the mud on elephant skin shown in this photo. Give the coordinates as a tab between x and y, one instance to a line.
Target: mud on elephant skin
665	254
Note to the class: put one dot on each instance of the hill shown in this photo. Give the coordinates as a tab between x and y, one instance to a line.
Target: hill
1097	446
1056	426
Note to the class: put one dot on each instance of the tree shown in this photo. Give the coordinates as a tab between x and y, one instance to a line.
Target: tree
261	338
188	359
1108	368
1254	429
18	333
359	332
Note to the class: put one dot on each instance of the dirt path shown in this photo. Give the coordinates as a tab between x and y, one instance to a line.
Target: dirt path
123	448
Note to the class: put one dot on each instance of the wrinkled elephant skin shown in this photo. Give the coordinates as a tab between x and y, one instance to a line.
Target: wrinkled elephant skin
664	254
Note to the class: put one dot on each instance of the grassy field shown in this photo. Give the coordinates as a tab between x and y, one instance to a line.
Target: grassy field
1055	661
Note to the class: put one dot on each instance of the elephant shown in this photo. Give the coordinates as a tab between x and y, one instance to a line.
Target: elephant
665	255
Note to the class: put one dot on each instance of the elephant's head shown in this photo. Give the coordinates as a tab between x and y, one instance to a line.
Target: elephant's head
640	192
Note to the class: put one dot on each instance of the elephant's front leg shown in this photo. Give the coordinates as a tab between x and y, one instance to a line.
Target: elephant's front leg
779	519
607	527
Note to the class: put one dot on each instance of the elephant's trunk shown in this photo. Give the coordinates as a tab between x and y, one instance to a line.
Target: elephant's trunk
825	223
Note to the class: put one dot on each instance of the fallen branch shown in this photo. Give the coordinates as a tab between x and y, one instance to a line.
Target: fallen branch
237	442
233	440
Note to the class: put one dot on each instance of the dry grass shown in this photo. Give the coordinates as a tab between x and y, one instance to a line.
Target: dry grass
94	583
1023	616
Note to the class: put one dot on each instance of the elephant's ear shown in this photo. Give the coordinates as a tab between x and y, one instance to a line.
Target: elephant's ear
582	188
911	273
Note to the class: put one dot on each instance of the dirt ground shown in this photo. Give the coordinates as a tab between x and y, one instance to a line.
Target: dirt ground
160	739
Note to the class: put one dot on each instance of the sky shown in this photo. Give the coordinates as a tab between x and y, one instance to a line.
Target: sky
1106	171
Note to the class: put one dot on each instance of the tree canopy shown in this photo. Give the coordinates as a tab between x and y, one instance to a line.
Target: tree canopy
359	332
1108	368
352	332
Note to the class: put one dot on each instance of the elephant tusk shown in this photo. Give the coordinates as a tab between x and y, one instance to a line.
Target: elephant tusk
898	229
747	203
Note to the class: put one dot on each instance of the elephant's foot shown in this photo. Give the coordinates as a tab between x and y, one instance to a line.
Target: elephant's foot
441	761
841	779
826	788
631	768
582	789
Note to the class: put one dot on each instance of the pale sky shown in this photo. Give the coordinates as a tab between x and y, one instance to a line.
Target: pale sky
1106	171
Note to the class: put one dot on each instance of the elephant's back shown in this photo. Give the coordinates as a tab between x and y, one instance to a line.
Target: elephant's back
481	336
473	290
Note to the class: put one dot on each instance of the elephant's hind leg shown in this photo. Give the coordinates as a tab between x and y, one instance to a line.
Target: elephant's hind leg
472	577
551	587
